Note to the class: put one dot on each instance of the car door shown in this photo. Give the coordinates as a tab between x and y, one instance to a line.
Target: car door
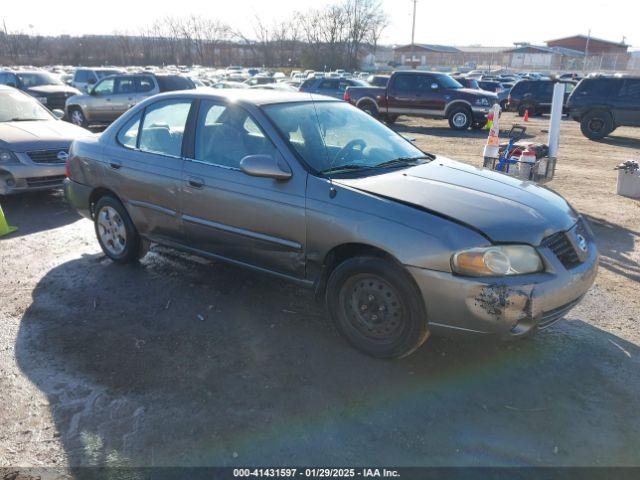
144	168
401	94
628	103
99	103
123	97
250	220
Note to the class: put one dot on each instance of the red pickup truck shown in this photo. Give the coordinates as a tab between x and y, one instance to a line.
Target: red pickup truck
424	94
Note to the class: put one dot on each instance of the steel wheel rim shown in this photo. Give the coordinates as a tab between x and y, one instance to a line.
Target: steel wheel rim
77	118
460	119
596	124
373	307
111	230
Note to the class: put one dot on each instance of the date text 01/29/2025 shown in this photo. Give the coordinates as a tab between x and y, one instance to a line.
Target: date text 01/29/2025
315	472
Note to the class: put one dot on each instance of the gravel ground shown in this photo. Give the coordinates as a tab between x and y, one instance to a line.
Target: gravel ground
185	361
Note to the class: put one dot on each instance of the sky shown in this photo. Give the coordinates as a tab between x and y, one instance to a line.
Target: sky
453	22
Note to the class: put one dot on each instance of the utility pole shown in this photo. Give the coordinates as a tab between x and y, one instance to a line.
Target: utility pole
413	33
586	53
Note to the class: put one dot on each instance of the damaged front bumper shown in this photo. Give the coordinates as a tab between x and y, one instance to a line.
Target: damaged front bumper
508	306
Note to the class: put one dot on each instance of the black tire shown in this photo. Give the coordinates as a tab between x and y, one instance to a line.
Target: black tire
376	306
390	119
479	125
109	227
597	124
370	108
523	107
76	116
503	105
460	118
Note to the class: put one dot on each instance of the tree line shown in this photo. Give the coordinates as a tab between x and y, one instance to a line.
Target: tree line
335	36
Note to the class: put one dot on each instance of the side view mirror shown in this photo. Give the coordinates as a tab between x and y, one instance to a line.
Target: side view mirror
434	86
265	166
59	114
91	81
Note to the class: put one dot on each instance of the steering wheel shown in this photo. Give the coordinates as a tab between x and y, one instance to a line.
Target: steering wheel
346	151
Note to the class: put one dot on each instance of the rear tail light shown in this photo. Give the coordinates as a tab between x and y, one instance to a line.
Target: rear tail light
346	96
66	168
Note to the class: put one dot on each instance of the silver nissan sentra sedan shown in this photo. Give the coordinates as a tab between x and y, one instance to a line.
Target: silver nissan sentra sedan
34	144
398	243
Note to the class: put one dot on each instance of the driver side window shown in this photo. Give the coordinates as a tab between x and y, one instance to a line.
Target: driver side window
105	87
225	134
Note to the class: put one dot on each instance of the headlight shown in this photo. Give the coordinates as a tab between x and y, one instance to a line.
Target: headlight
6	156
497	261
483	102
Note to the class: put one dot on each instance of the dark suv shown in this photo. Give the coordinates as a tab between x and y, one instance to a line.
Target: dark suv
49	90
602	104
534	96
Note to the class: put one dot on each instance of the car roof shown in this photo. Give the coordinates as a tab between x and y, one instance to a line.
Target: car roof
249	95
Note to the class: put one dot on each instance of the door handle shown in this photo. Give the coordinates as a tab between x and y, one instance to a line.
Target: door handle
115	164
195	182
107	99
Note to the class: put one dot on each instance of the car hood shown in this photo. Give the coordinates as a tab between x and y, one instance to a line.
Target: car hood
47	89
24	136
504	209
476	93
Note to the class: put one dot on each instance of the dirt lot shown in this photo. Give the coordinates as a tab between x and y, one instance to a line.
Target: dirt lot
185	361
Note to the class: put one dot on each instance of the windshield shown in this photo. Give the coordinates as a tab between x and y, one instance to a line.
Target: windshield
29	80
331	135
16	107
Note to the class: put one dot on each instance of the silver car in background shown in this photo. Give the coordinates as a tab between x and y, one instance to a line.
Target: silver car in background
34	144
114	95
397	242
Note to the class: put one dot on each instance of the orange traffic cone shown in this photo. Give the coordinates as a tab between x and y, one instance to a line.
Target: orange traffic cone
526	115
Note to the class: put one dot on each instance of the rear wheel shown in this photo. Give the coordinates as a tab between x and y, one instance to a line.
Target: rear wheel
597	124
375	305
460	118
369	108
116	233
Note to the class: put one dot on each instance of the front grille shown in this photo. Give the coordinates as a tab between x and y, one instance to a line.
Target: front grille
51	181
57	100
562	247
47	156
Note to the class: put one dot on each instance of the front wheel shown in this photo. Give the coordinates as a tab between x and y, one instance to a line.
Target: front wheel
77	118
116	233
390	119
376	306
460	118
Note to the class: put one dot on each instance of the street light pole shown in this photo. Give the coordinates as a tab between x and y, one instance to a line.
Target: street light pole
413	33
586	53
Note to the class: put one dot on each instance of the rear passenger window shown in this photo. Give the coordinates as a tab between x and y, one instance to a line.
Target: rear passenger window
144	84
125	85
128	135
163	127
631	89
